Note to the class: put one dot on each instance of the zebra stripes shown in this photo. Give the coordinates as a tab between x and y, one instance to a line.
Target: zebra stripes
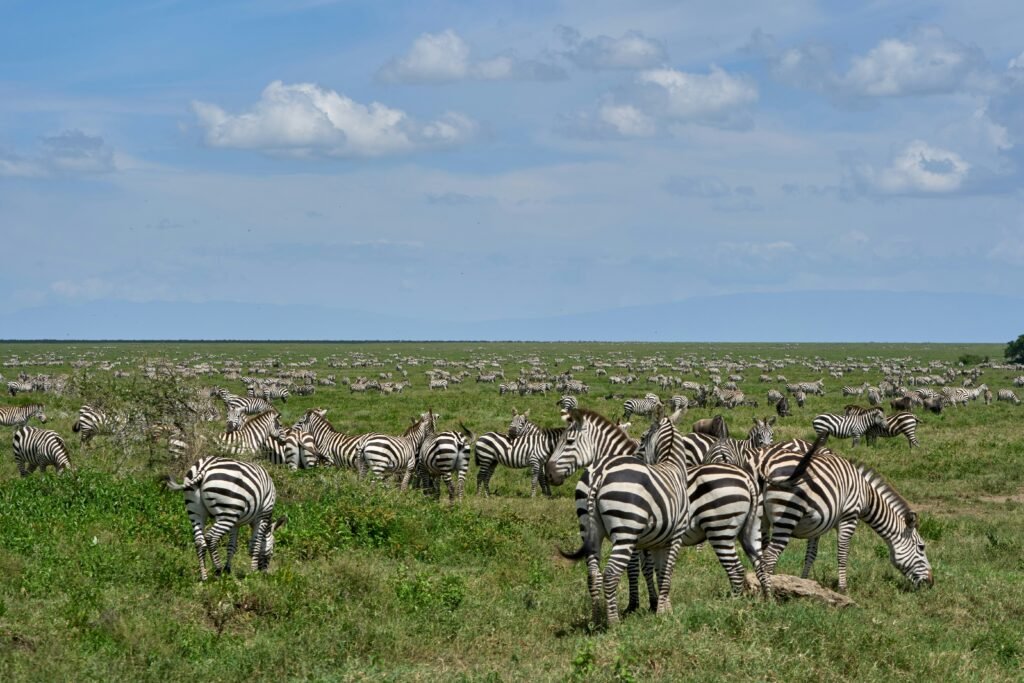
295	448
91	422
18	416
846	426
531	447
490	450
730	450
34	447
232	493
250	438
382	453
13	387
341	450
1007	395
834	493
445	455
640	406
899	423
639	507
240	406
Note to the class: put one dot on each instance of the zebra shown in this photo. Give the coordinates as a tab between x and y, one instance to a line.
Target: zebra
508	388
855	391
639	507
18	416
438	384
446	454
844	426
833	493
730	450
679	403
270	393
239	406
92	422
567	403
233	493
782	407
1007	395
896	424
774	396
531	447
34	447
960	396
251	437
490	449
178	445
340	450
295	448
13	387
640	406
382	453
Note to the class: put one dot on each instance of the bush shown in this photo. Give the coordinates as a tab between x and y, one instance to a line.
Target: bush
1015	350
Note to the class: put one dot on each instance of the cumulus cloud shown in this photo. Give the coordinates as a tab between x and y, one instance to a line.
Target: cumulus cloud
715	97
919	169
306	120
71	152
445	57
924	62
633	50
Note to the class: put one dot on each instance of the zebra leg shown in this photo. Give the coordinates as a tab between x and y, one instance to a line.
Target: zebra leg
652	590
856	440
535	478
633	579
845	533
483	478
461	488
232	547
812	554
257	542
407	476
666	562
213	536
725	550
770	557
451	489
200	542
595	585
617	562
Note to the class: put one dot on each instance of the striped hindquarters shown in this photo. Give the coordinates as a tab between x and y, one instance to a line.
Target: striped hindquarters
34	447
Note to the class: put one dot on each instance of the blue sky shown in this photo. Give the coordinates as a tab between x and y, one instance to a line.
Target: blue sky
475	161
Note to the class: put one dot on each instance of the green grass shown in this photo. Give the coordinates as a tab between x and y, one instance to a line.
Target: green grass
99	580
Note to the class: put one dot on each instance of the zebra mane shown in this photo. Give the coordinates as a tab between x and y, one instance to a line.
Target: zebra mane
580	414
882	487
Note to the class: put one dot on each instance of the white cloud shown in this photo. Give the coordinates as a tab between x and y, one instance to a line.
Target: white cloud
71	152
925	62
627	120
919	169
700	97
633	50
306	119
445	57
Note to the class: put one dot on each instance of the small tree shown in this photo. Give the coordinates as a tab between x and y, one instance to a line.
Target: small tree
1015	350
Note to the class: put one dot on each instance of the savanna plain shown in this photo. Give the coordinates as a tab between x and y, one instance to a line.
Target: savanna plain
99	578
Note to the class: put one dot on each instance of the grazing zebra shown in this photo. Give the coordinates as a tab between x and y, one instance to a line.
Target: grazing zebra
18	385
251	437
679	403
382	453
845	426
240	406
438	384
490	450
340	450
834	493
18	416
640	406
91	422
270	393
508	388
960	396
774	396
800	398
855	391
446	454
295	448
782	407
1007	395
640	507
34	447
531	447
232	493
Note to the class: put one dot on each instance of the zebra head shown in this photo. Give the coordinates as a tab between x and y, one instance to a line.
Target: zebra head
878	418
761	433
906	551
266	551
235	416
40	415
518	423
305	422
573	450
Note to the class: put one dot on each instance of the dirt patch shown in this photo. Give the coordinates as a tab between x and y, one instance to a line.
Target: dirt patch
1015	498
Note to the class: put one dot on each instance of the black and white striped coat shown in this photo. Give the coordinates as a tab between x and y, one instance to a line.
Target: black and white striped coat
532	445
250	438
1007	395
92	422
490	450
385	454
640	406
833	493
341	450
231	493
34	447
295	448
445	455
896	424
17	416
846	426
14	386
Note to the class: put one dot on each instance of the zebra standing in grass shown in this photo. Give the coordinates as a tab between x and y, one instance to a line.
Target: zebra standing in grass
270	393
531	447
567	403
251	437
1007	395
446	454
730	450
679	402
490	450
18	385
896	424
640	507
240	406
959	396
18	416
382	453
438	384
34	447
845	426
640	406
232	493
826	492
340	450
92	422
295	448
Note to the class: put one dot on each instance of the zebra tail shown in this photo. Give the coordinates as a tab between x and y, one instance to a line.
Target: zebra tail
801	467
751	533
172	485
591	543
77	427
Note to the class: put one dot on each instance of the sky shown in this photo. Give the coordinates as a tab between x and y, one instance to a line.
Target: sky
481	162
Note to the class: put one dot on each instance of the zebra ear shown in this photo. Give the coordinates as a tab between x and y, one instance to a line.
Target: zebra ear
527	413
911	518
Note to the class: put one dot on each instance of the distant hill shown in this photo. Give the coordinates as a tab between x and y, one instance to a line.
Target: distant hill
789	316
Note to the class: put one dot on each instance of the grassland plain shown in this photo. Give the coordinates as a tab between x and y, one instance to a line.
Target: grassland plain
98	576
